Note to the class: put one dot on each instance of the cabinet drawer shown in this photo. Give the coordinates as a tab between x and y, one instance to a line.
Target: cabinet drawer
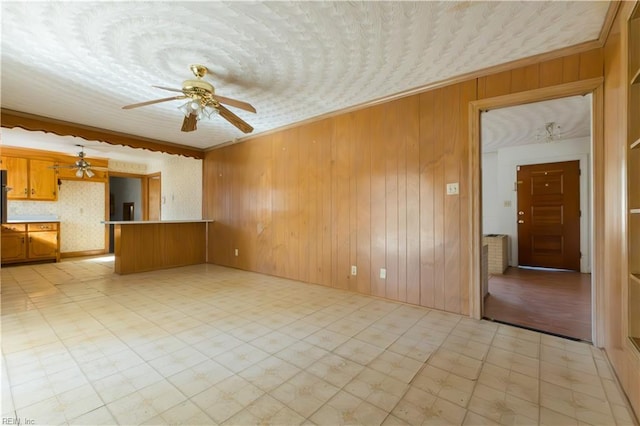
14	227
34	227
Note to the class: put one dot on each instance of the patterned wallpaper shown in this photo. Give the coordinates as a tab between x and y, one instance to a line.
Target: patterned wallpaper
126	167
80	208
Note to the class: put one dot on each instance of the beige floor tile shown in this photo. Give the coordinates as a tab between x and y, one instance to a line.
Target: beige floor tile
98	417
162	348
445	385
377	388
326	339
414	348
456	363
302	354
572	379
273	342
397	366
335	369
304	393
418	407
502	407
358	351
227	398
516	345
270	373
346	409
513	361
266	410
377	337
200	377
216	345
574	404
185	413
509	381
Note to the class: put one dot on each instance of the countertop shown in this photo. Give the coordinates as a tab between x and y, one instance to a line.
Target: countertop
148	222
33	220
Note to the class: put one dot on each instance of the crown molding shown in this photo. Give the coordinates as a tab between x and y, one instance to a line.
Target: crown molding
10	119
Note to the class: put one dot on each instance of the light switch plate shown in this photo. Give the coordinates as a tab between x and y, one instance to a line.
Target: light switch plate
452	188
235	252
354	270
383	273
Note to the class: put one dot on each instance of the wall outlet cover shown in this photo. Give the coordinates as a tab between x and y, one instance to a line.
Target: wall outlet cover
383	273
453	188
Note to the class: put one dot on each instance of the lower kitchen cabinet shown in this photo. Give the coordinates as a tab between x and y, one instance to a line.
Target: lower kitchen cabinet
30	242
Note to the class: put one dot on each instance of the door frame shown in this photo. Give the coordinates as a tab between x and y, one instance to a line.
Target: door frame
593	86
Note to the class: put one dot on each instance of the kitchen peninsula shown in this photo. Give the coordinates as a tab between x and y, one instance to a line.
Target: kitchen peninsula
150	245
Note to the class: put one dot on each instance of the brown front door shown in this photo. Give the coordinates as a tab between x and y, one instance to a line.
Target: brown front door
549	215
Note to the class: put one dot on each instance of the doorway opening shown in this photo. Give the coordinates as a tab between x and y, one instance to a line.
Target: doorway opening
536	176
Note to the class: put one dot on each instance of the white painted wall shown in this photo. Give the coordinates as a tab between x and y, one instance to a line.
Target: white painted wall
499	199
181	187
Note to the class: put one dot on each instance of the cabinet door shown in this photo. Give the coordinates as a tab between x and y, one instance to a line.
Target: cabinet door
43	244
43	180
13	247
17	177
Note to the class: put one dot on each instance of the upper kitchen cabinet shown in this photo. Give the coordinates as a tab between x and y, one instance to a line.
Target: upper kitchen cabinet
30	179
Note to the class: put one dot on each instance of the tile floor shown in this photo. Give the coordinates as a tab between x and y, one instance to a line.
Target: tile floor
211	345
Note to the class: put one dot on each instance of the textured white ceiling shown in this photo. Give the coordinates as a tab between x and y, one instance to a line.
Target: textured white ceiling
525	124
82	61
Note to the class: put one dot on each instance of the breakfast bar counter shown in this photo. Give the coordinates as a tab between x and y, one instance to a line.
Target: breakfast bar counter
150	245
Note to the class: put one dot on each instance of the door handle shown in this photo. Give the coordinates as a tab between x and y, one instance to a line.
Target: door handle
520	213
520	221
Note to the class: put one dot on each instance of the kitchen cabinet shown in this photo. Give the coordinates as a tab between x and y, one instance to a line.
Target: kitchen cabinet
30	179
14	247
29	242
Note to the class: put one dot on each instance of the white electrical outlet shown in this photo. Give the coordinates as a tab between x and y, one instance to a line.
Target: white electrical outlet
383	273
452	188
236	252
354	270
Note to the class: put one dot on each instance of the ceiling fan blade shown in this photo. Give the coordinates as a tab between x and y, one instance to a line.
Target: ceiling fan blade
235	103
168	88
235	120
189	124
141	104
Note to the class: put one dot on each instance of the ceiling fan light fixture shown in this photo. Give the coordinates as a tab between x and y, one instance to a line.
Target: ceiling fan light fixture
89	173
79	173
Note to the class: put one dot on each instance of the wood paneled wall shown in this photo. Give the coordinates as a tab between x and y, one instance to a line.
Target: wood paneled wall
364	188
621	353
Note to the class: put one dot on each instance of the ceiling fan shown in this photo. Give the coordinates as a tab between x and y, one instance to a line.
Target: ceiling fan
202	101
82	166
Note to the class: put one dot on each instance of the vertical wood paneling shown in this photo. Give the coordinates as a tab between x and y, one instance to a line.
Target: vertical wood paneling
427	207
366	188
378	193
441	133
498	84
412	210
467	94
341	201
393	132
401	115
304	204
363	203
551	72
264	209
591	64
452	144
570	68
566	69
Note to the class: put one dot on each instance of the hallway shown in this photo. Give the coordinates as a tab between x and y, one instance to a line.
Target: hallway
556	302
